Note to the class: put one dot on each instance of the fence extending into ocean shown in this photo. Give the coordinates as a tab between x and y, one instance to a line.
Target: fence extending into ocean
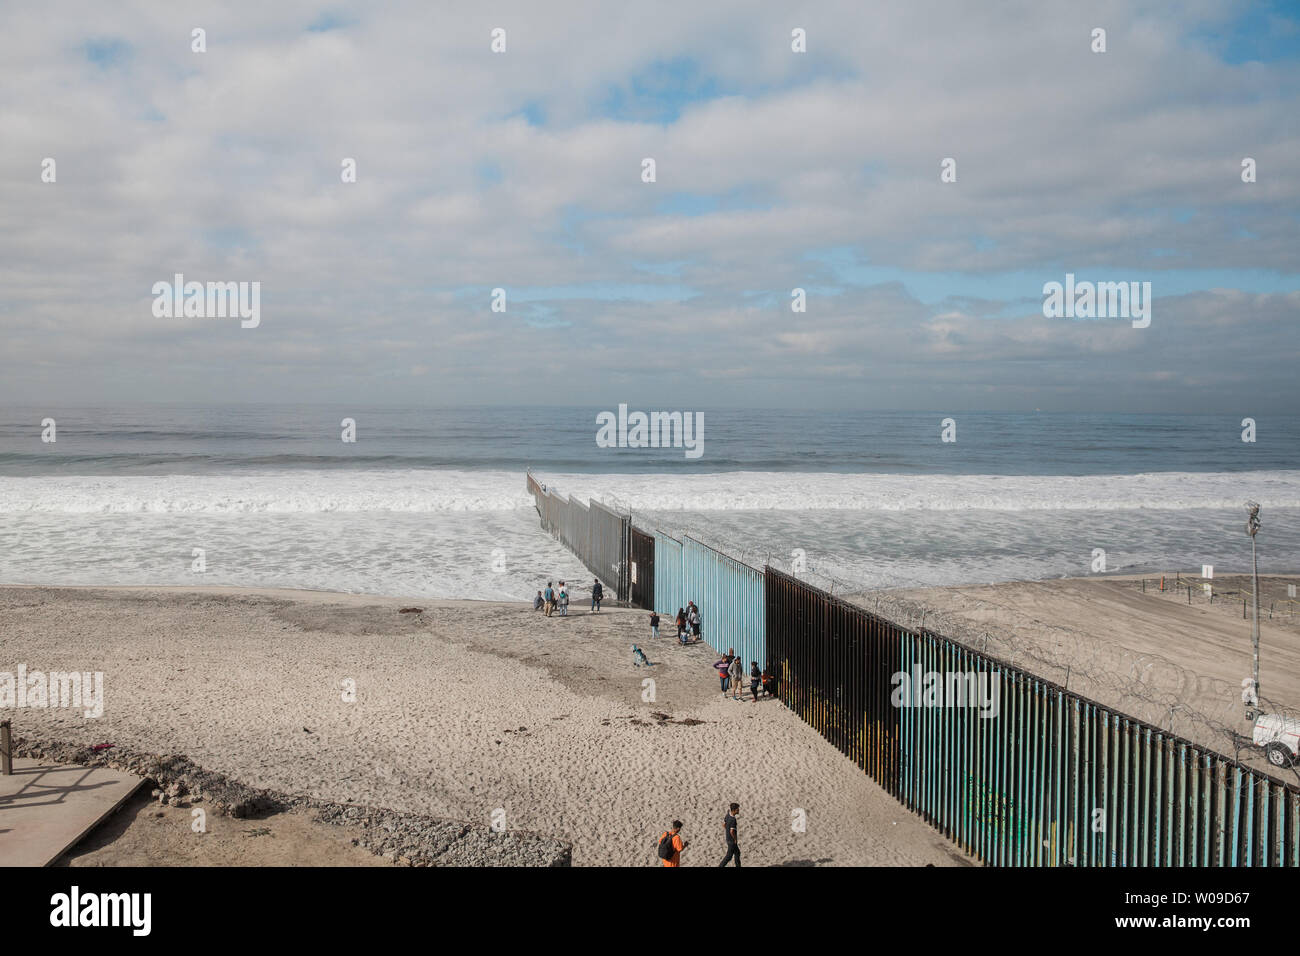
1015	769
596	534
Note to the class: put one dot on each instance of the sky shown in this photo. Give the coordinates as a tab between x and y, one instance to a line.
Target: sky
522	170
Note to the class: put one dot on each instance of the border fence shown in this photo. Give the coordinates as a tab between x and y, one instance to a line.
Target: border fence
1047	778
834	663
641	579
1014	769
668	595
729	596
593	532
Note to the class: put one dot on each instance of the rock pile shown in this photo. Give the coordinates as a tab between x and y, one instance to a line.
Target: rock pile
404	838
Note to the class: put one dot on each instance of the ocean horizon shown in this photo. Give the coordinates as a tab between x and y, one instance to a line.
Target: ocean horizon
432	501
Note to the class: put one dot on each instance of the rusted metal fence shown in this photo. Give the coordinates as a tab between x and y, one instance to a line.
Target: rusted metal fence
833	665
641	573
1015	769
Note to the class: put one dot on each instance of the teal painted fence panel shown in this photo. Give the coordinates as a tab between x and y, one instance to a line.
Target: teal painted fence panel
729	595
668	578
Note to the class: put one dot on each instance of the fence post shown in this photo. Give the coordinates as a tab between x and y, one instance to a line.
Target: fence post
6	749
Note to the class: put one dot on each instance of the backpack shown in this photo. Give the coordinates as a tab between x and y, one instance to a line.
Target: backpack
666	848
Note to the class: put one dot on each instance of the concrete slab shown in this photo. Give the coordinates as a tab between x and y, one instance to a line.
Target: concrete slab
46	808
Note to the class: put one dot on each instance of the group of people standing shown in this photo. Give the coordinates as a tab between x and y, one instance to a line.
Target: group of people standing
551	599
731	674
688	624
671	843
730	668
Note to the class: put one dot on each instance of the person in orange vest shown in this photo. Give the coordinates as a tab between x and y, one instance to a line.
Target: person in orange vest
671	844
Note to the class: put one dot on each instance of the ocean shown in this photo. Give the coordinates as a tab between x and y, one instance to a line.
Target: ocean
431	502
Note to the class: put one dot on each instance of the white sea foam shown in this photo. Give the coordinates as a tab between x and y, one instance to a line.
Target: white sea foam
289	492
787	491
447	491
474	534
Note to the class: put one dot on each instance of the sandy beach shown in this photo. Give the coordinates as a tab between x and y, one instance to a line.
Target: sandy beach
1149	654
460	709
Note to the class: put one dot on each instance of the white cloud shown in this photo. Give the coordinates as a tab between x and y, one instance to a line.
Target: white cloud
225	165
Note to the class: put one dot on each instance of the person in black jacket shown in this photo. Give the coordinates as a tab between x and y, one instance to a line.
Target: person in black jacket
733	843
597	593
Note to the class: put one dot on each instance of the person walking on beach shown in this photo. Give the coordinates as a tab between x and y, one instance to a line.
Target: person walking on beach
597	593
549	594
654	624
693	617
755	675
737	674
681	625
564	602
733	845
671	845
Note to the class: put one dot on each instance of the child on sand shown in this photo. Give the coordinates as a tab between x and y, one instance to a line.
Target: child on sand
654	624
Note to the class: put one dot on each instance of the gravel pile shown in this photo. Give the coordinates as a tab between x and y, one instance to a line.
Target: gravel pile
425	841
405	838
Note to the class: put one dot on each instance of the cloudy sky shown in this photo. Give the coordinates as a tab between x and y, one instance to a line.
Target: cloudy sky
522	170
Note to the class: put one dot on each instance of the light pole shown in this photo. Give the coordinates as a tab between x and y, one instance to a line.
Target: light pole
1252	528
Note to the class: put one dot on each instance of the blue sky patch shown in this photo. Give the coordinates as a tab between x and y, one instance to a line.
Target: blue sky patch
107	52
